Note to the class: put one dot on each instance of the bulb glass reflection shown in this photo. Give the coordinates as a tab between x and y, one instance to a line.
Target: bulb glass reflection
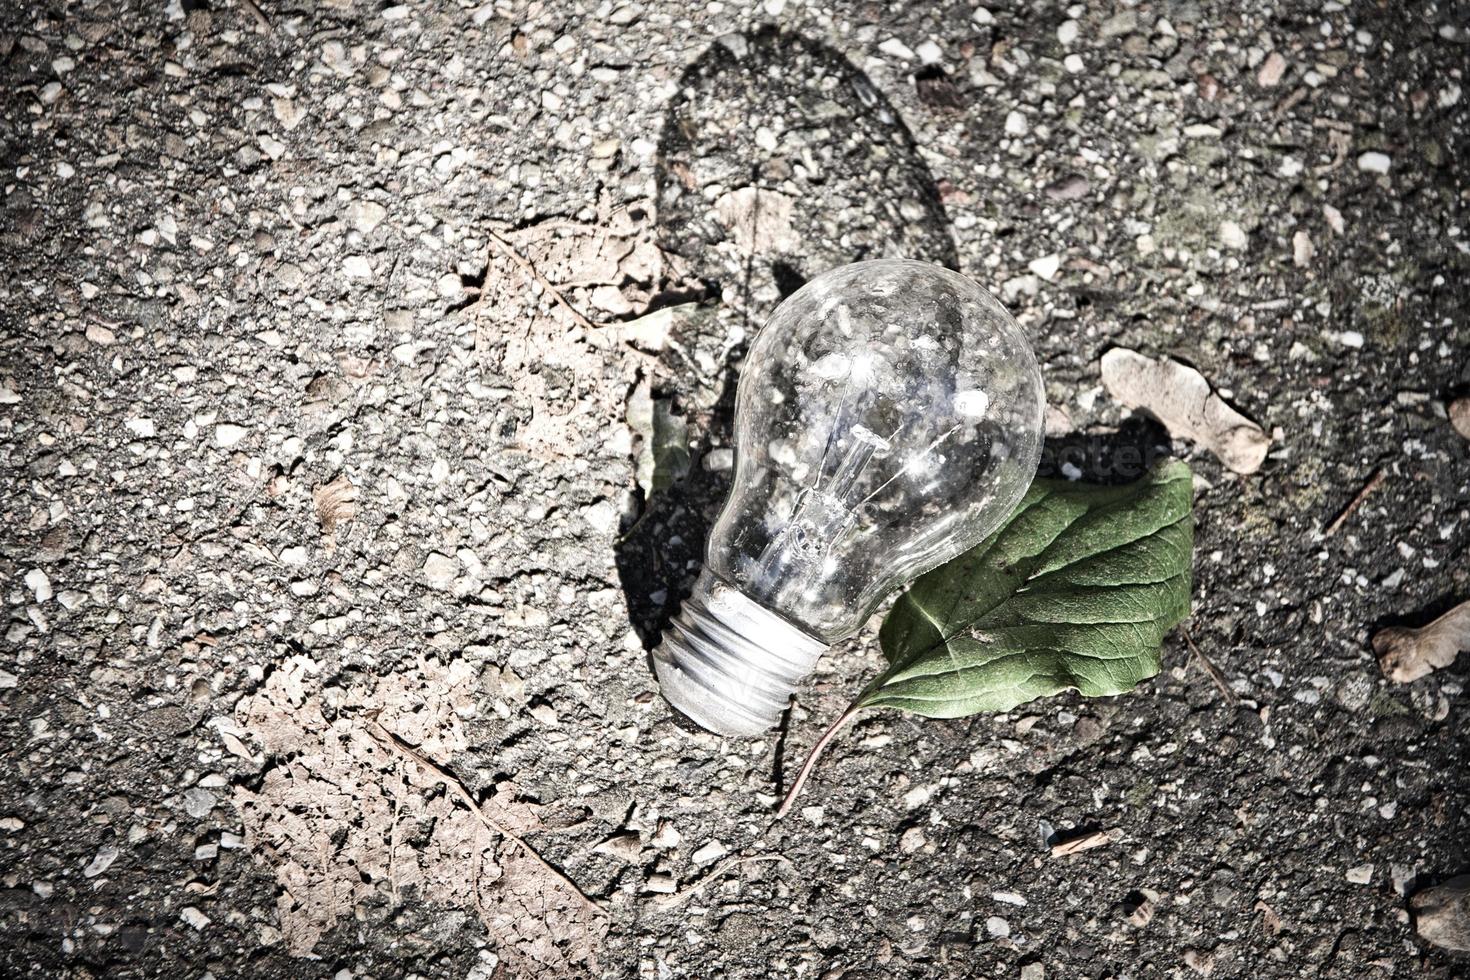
888	418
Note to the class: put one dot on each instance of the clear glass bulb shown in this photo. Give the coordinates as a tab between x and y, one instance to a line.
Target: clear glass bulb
888	418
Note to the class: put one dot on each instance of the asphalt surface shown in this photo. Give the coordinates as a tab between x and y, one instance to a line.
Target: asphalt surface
299	439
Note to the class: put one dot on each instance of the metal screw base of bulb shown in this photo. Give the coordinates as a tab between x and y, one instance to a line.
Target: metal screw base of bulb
729	664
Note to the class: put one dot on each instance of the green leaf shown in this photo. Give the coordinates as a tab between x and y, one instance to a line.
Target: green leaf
1076	590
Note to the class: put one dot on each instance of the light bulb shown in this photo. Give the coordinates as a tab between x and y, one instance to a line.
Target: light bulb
888	418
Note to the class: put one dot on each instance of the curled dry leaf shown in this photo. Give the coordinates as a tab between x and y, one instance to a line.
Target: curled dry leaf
1201	963
1407	654
350	815
335	502
1180	397
539	321
1270	922
1139	907
1442	914
1460	416
760	221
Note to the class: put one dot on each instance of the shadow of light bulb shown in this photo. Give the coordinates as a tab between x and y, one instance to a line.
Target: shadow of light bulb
888	418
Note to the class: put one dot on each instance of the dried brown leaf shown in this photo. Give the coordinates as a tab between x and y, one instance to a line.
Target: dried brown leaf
336	503
1201	963
545	287
1270	921
1180	397
759	221
347	821
1460	416
1442	914
1406	654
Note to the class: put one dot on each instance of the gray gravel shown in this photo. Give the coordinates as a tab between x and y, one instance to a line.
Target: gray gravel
279	408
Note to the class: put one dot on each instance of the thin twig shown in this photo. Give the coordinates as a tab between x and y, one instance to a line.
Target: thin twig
531	271
393	831
1374	482
391	741
1215	675
1098	838
716	872
812	756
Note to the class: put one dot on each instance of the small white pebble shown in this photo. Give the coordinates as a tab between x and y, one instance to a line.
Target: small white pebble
440	571
1333	217
667	836
917	797
1046	266
1373	162
1302	249
101	862
712	851
661	885
194	917
227	434
896	48
39	584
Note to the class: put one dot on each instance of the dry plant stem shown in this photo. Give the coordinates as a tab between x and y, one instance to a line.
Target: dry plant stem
718	871
1214	672
1086	842
531	271
391	741
811	758
1373	483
